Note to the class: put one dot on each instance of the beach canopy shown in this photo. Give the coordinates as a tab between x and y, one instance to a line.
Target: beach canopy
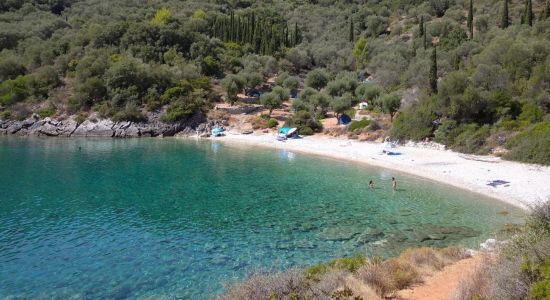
287	131
345	119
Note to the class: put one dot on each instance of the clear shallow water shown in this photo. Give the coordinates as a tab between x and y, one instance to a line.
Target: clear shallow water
134	218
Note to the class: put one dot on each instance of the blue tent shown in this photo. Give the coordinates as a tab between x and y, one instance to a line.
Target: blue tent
345	119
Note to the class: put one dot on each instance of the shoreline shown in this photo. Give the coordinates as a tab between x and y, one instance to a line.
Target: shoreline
527	184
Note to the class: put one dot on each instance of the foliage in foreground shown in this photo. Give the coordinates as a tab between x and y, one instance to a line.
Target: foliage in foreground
522	268
339	278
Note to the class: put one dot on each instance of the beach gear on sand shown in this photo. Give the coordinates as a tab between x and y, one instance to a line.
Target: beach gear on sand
287	132
389	147
495	183
217	132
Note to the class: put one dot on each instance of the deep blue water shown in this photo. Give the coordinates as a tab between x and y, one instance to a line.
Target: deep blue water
116	219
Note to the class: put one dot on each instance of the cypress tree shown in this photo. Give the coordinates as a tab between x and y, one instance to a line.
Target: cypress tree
456	61
351	33
529	15
232	26
425	36
433	72
471	20
421	26
504	23
296	35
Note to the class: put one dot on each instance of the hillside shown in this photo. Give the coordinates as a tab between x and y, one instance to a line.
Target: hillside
476	79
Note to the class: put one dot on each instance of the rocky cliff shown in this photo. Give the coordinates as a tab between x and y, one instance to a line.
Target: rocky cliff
97	127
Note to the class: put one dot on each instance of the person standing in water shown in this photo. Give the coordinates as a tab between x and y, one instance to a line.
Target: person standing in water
371	184
394	183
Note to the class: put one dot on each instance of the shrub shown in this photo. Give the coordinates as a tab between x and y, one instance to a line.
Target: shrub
355	125
416	123
422	257
351	264
403	274
47	111
178	110
13	91
477	285
472	139
80	118
446	132
530	114
532	145
129	113
258	122
5	115
268	286
306	131
377	277
523	263
305	122
272	123
454	253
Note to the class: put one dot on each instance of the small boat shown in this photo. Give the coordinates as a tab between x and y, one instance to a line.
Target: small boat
217	132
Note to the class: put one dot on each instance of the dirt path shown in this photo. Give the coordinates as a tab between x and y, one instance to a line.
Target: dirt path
443	284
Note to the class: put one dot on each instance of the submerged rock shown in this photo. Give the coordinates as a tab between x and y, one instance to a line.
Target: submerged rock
343	233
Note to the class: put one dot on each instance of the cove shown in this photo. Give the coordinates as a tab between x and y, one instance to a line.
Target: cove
128	219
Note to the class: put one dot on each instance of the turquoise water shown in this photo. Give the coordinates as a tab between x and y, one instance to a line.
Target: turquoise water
117	219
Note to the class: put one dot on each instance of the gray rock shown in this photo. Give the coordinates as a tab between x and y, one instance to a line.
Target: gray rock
14	127
102	128
67	127
49	130
126	129
30	121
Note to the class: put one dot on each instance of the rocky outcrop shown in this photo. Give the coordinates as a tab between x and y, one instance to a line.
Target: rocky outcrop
93	127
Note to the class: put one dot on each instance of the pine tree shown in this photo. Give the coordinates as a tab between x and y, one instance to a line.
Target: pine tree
504	23
433	72
471	20
351	32
421	26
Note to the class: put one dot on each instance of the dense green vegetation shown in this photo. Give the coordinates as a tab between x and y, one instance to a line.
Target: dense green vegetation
471	74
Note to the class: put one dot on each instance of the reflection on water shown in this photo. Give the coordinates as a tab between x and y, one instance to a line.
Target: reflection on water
113	218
